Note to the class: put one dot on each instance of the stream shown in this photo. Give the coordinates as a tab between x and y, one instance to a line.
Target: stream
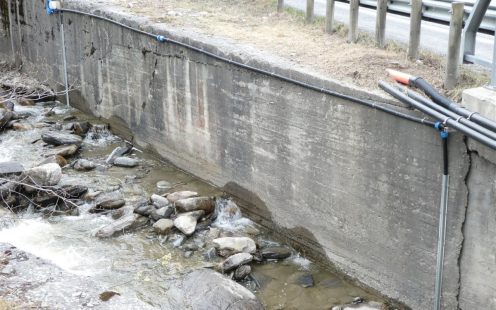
58	262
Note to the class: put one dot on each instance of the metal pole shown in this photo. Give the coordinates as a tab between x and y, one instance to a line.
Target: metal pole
329	16
64	59
443	210
493	74
454	42
280	6
415	22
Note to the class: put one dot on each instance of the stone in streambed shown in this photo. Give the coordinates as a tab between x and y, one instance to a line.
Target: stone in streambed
61	138
144	210
44	175
210	254
163	226
65	150
235	260
181	195
5	117
231	245
126	223
159	201
302	279
186	222
275	253
111	204
10	167
117	152
22	126
162	213
195	203
126	162
57	159
241	272
84	165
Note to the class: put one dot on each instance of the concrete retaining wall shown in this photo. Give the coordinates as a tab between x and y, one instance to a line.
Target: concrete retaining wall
356	186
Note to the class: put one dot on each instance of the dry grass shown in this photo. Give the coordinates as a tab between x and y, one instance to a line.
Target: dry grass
256	23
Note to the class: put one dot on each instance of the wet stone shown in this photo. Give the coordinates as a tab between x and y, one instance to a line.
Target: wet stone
162	213
10	167
275	253
188	254
117	152
65	150
181	195
242	272
144	210
231	245
126	162
61	138
44	175
163	226
210	254
194	204
235	260
186	222
124	224
159	201
304	280
57	159
84	165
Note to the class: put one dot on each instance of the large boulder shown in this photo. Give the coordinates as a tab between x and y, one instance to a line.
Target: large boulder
61	138
207	289
233	245
44	175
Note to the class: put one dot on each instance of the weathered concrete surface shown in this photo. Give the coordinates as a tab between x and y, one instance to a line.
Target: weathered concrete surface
355	185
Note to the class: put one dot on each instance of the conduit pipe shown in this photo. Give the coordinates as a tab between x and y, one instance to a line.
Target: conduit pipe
444	119
432	93
416	96
163	39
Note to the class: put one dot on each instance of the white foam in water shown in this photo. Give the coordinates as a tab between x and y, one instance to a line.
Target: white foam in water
45	240
100	136
301	262
229	216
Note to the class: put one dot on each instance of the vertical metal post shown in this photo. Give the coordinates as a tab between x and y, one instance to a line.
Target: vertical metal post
415	23
280	6
472	24
454	42
62	34
443	210
309	11
493	74
353	32
380	23
329	16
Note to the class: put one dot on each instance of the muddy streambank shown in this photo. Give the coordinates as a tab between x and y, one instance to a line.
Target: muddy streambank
89	221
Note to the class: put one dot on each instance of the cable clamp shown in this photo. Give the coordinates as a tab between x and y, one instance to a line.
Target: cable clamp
443	130
459	118
471	114
160	38
52	7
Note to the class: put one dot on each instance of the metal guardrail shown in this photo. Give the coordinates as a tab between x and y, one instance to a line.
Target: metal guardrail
438	10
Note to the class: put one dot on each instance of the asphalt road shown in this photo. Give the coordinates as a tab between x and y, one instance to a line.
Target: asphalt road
434	37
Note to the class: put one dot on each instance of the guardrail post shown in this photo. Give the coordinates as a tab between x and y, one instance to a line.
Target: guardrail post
454	43
472	24
329	16
280	6
353	32
309	11
380	23
493	74
415	22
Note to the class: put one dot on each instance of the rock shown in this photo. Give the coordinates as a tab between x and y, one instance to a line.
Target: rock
302	279
195	203
213	233
8	270
126	162
159	201
10	168
91	195
235	260
69	118
186	222
126	223
275	252
188	254
105	296
81	128
210	254
117	152
241	272
110	204
25	101
61	138
72	191
5	117
232	245
8	105
181	195
144	210
161	213
84	165
177	240
65	150
163	226
57	159
44	175
22	126
207	289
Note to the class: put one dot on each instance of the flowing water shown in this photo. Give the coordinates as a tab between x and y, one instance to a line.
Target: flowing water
140	265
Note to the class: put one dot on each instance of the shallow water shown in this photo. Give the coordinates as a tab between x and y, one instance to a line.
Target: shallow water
140	263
